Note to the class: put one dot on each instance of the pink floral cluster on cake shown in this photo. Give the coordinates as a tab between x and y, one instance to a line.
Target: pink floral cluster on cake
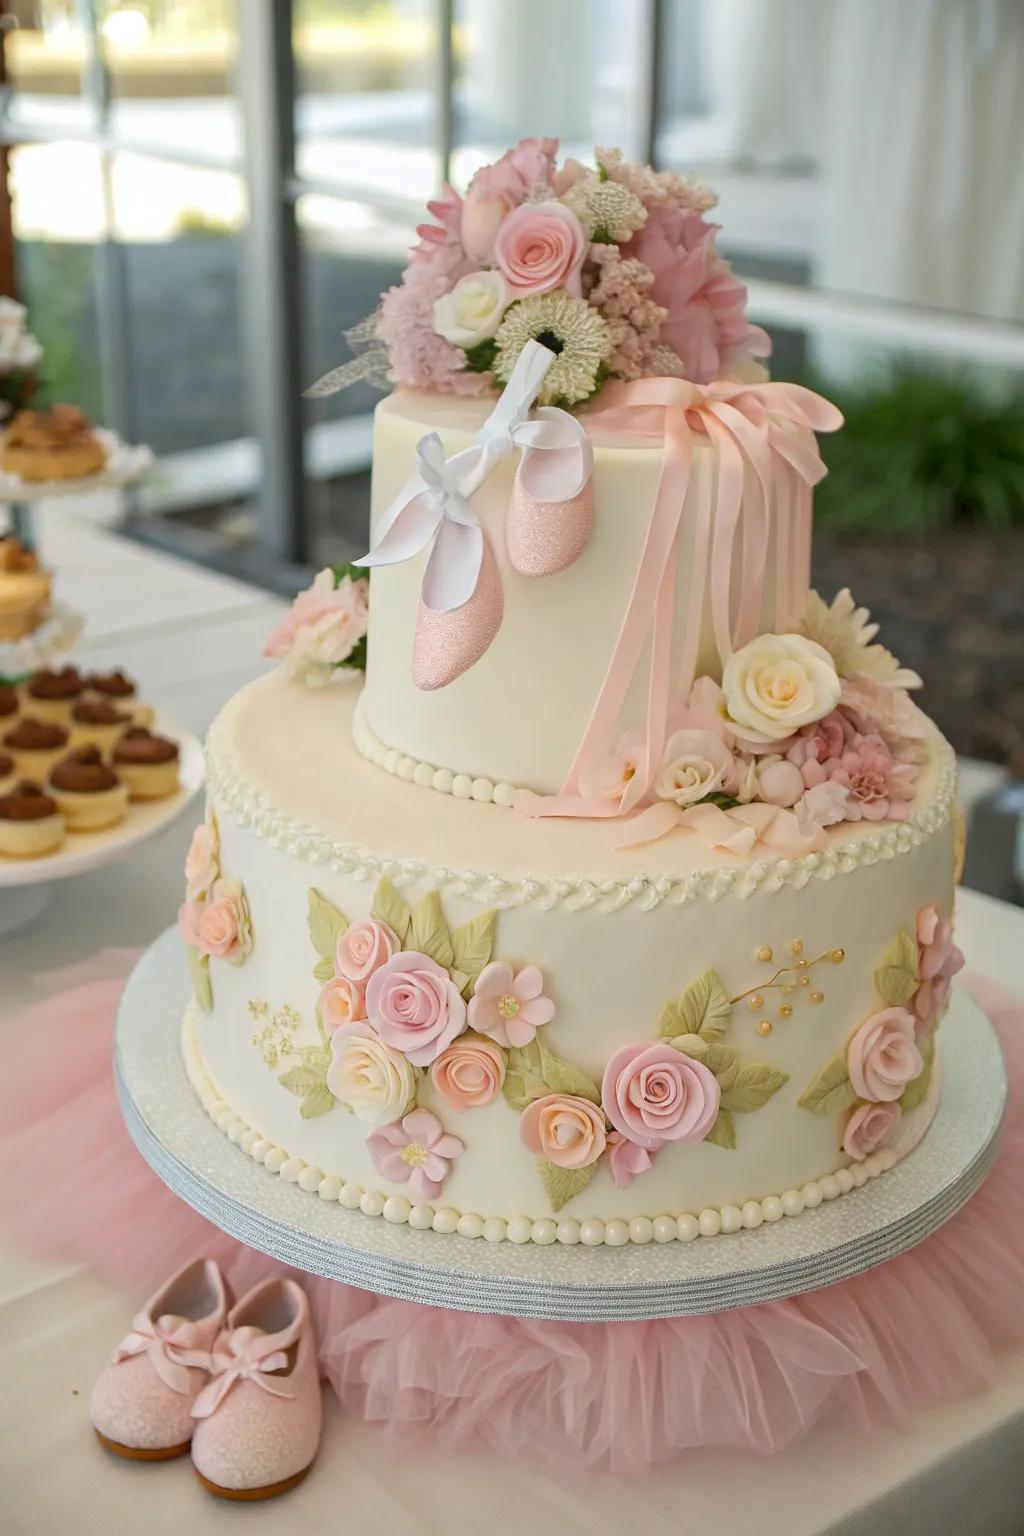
214	918
324	631
938	961
615	265
817	724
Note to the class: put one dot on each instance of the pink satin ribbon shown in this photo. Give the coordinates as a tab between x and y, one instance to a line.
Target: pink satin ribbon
171	1345
244	1354
733	831
749	425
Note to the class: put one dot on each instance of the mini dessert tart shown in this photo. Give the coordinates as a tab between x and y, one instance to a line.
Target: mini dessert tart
24	590
51	695
98	723
8	773
148	764
30	823
89	794
116	687
36	746
58	444
10	707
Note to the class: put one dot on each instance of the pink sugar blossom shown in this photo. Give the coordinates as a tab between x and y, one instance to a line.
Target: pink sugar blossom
508	1005
626	1159
706	324
416	1151
878	787
938	961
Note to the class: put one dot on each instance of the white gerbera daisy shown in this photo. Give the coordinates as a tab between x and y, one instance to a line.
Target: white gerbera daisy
846	633
608	212
574	331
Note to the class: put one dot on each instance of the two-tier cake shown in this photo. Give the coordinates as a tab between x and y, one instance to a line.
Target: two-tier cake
617	905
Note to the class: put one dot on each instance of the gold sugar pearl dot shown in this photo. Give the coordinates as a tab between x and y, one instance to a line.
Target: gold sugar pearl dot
796	946
805	981
817	997
785	1012
803	965
789	989
755	1002
765	1027
765	953
837	956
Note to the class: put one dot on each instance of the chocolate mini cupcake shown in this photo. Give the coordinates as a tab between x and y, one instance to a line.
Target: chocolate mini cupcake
98	723
35	746
30	823
148	764
117	688
52	695
10	708
8	773
89	794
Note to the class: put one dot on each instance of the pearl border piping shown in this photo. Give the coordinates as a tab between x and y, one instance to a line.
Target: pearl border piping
252	808
461	786
592	1232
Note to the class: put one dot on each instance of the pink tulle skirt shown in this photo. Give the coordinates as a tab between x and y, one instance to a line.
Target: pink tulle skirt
621	1396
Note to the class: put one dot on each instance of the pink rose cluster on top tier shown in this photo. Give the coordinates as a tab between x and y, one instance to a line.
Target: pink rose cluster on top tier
615	262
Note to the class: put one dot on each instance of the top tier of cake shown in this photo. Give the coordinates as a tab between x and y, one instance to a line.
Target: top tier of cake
516	717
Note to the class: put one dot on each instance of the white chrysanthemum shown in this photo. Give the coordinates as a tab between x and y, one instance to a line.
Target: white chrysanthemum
609	212
846	633
574	331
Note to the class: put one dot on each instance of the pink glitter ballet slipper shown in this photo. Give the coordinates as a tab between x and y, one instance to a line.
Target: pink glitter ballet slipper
257	1420
141	1405
551	510
448	643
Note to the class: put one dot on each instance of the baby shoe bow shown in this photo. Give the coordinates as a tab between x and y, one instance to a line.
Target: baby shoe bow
172	1344
242	1354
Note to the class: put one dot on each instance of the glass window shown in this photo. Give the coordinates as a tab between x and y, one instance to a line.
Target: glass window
46	51
171	69
365	112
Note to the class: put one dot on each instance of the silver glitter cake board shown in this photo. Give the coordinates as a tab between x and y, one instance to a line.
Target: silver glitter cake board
845	1237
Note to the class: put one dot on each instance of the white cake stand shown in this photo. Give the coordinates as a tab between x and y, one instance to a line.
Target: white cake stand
833	1242
125	464
56	636
26	884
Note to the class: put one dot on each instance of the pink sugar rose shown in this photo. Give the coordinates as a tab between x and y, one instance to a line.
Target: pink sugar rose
938	962
469	1073
539	247
655	1094
626	1160
201	862
224	927
566	1130
323	624
869	1127
417	1151
341	1002
189	914
496	189
363	948
706	325
509	1006
821	741
882	1056
415	1007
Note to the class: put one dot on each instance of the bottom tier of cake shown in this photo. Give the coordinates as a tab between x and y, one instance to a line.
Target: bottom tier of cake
439	1012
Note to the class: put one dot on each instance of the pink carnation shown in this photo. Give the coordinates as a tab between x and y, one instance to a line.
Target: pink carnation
706	324
417	355
447	210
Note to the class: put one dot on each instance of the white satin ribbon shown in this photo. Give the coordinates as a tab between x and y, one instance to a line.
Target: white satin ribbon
434	508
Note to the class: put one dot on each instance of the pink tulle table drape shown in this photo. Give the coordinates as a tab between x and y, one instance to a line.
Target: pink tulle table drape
918	1330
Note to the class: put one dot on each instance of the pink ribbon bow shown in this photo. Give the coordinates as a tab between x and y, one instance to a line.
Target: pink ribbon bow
243	1354
171	1344
748	425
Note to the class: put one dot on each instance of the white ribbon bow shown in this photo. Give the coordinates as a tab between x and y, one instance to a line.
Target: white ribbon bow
434	507
244	1354
170	1344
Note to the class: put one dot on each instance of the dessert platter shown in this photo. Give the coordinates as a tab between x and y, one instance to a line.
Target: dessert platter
87	771
58	452
590	957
